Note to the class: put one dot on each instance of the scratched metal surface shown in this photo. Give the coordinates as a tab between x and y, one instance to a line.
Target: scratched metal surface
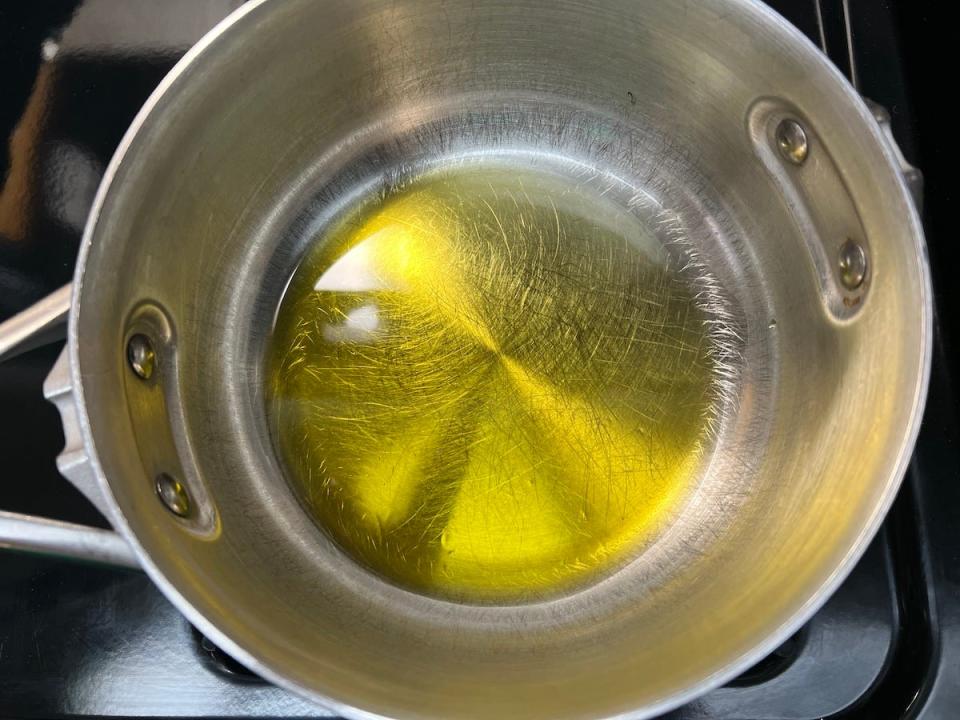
48	603
493	385
758	546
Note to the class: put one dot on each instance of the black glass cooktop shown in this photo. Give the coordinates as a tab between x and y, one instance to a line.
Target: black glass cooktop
80	640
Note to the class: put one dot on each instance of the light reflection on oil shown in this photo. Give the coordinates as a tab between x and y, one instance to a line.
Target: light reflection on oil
491	386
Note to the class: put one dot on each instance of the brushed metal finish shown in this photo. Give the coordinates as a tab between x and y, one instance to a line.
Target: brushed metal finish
52	537
44	321
289	111
73	461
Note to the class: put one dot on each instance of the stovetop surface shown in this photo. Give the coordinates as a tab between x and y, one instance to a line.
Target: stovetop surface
83	640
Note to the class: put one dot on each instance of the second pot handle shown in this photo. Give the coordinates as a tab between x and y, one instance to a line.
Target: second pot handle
40	324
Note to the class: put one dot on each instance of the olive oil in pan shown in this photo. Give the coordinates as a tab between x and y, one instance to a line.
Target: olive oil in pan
490	385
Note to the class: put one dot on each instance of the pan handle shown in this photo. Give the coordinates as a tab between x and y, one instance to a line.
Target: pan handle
912	177
52	537
41	324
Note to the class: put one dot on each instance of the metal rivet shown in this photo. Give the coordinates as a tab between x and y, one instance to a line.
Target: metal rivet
792	141
853	265
173	495
140	356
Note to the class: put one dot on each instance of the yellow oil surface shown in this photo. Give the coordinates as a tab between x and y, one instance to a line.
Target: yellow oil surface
490	386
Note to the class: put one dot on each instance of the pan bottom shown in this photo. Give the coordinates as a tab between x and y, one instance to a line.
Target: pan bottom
493	385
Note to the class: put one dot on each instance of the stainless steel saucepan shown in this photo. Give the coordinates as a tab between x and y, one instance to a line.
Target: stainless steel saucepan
745	140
